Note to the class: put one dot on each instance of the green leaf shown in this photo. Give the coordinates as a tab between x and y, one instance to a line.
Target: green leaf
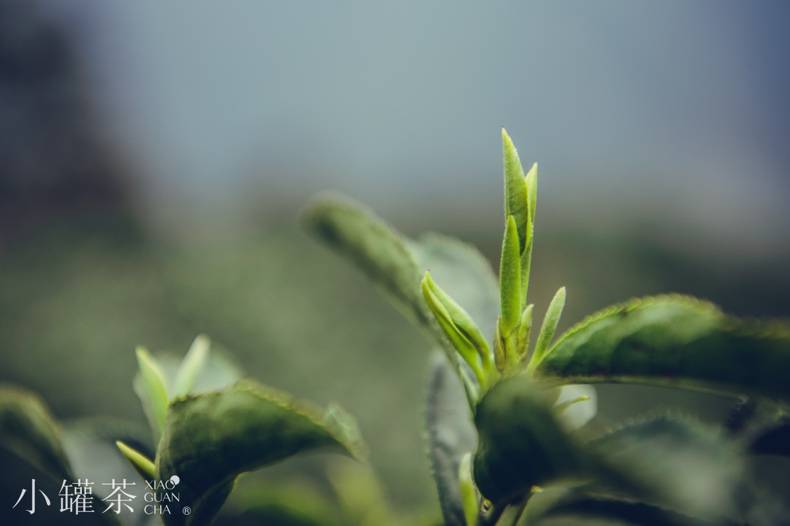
677	341
532	191
28	431
515	188
459	317
520	441
524	330
151	388
191	366
529	242
526	262
462	266
548	328
666	460
677	462
218	371
142	464
459	329
510	280
397	264
375	247
211	438
451	435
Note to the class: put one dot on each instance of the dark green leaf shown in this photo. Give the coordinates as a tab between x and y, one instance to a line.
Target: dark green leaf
451	434
28	431
520	441
674	461
674	340
669	461
210	438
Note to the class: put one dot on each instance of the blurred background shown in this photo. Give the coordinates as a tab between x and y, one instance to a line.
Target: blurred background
154	158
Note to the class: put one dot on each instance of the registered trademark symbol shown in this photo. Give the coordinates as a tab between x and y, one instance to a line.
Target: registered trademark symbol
186	510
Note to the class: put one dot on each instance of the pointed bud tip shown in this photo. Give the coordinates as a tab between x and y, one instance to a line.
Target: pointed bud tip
508	142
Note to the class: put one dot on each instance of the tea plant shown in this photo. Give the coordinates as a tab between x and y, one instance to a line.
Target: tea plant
507	441
508	455
208	427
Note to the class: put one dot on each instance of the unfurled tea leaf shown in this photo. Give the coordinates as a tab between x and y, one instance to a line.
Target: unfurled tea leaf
673	340
210	438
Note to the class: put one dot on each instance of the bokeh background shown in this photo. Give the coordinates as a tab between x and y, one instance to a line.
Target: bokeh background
154	158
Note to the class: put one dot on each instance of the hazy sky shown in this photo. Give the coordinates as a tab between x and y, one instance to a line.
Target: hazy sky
665	100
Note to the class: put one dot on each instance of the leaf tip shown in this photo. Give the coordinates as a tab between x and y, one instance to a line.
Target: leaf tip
144	466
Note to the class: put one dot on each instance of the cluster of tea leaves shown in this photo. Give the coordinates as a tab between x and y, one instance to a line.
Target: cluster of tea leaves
208	427
500	445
